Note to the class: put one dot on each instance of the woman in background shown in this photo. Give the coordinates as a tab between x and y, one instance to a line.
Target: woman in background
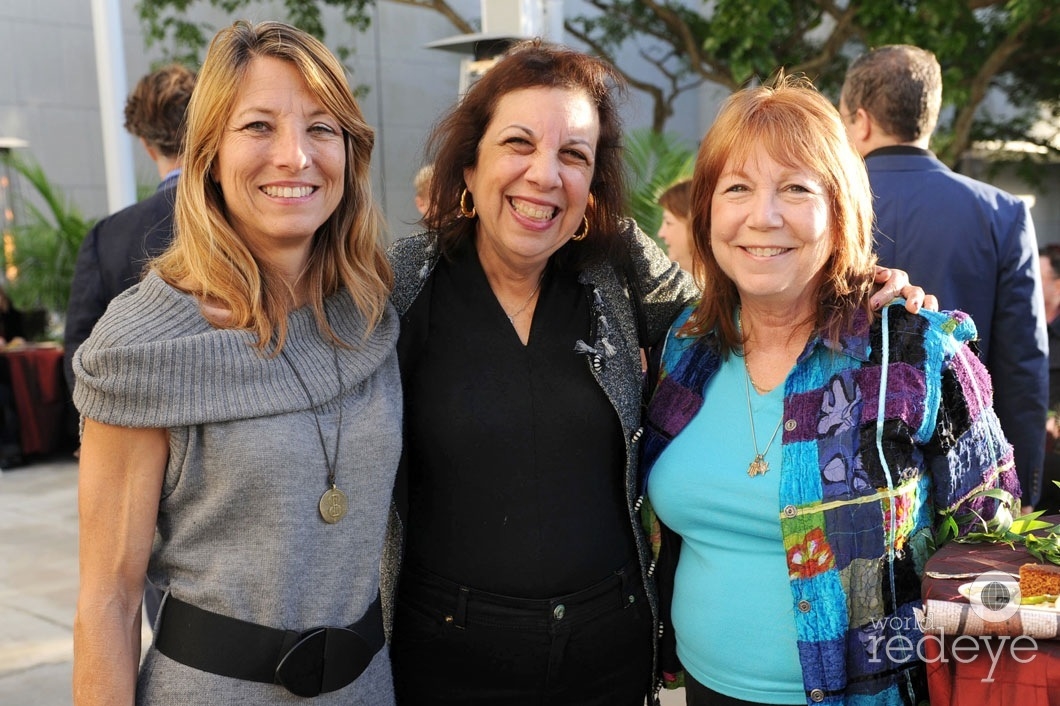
676	228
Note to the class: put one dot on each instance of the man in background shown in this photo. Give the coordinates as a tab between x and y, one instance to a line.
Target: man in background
113	254
1050	267
970	244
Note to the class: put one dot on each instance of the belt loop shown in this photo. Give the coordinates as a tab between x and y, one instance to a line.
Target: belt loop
460	615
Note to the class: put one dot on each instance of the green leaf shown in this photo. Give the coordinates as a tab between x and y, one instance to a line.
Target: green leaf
947	530
1027	524
46	243
998	494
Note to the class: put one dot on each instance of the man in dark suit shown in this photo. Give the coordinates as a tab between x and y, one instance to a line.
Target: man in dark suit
1049	261
970	244
113	254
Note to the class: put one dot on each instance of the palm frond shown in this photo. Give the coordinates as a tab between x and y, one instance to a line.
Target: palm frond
654	161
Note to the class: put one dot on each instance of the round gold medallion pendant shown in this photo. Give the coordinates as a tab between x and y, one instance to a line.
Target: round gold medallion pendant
333	505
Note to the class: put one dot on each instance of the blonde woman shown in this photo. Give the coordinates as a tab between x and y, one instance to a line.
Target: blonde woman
242	406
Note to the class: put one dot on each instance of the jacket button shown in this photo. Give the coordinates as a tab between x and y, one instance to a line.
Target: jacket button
817	696
790	511
804	606
637	434
790	425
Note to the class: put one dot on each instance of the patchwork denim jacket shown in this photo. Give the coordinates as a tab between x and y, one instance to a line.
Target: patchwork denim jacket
883	431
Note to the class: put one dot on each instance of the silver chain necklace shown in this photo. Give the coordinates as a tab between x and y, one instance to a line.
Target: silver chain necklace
511	317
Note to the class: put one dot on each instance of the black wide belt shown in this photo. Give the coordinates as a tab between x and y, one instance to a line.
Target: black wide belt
307	663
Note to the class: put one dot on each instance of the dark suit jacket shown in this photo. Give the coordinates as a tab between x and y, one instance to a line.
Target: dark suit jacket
1050	499
112	259
973	246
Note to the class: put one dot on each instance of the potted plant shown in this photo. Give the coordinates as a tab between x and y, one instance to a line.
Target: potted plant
40	265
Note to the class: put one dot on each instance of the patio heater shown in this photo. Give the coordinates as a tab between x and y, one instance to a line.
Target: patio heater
8	198
504	22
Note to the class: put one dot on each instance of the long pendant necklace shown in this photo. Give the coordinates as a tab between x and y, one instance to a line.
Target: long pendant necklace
759	466
333	503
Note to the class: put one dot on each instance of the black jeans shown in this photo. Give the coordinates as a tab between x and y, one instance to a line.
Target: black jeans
457	645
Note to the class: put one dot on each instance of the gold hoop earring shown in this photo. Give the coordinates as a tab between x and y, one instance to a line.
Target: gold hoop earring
464	210
585	230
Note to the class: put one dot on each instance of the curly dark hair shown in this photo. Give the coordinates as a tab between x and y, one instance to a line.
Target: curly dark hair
454	142
155	109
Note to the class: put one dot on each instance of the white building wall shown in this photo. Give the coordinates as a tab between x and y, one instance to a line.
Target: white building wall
49	94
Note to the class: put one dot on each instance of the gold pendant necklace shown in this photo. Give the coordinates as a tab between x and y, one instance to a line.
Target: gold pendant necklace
333	503
759	466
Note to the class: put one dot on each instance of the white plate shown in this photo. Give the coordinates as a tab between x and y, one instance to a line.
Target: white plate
972	589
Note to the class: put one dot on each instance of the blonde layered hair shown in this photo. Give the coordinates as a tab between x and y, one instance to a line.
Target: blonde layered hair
799	128
210	260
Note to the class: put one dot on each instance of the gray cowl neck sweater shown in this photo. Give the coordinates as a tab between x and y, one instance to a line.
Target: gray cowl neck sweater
239	531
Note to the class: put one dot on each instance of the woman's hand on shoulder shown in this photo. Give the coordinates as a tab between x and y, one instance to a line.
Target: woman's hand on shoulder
895	283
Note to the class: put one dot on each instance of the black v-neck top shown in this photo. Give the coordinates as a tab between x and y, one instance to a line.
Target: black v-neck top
515	455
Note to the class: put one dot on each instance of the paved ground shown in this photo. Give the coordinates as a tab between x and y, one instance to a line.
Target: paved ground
38	584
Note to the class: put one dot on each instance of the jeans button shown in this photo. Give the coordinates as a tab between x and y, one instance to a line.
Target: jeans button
559	611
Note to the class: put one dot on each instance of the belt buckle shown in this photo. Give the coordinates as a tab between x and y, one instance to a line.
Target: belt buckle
323	659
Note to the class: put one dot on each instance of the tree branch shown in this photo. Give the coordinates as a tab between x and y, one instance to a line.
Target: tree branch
980	83
842	32
660	110
442	8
